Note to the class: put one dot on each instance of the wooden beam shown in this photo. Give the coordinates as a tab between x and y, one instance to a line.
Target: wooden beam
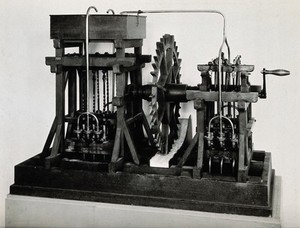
134	118
130	144
97	61
250	124
226	68
174	171
128	43
136	78
147	129
117	144
242	144
101	27
188	151
72	92
60	82
200	106
49	138
116	165
72	100
118	149
226	96
56	146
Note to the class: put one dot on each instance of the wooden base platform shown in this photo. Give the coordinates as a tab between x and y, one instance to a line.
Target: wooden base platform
146	189
26	211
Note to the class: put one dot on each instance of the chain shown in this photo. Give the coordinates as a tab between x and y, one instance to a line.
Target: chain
104	89
94	91
83	90
107	92
98	91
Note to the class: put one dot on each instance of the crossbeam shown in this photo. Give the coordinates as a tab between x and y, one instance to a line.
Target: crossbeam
251	97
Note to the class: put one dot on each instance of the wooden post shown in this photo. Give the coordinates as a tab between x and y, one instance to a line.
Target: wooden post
122	128
58	145
206	81
199	105
198	139
118	149
138	104
72	98
60	97
72	93
242	142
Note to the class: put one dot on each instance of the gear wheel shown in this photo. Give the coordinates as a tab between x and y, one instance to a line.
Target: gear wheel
164	114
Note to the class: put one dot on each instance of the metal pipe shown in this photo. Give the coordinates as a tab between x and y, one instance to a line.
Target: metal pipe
231	124
220	83
88	113
113	81
110	11
224	41
87	61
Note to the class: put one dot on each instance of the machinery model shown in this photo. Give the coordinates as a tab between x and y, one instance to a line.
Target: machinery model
109	147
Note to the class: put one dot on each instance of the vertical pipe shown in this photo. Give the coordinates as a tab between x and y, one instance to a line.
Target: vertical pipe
87	60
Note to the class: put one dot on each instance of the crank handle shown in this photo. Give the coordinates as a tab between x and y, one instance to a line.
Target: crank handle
277	72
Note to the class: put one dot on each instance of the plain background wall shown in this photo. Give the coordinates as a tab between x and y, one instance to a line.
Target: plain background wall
265	33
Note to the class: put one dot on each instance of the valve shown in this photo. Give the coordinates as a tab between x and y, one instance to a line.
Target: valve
234	140
209	138
88	133
277	72
78	132
221	139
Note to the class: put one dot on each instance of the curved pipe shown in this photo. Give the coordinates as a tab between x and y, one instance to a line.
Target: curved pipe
231	124
87	60
110	11
87	114
187	11
232	127
224	41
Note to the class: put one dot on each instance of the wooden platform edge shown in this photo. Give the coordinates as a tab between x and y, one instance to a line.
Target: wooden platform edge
32	212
